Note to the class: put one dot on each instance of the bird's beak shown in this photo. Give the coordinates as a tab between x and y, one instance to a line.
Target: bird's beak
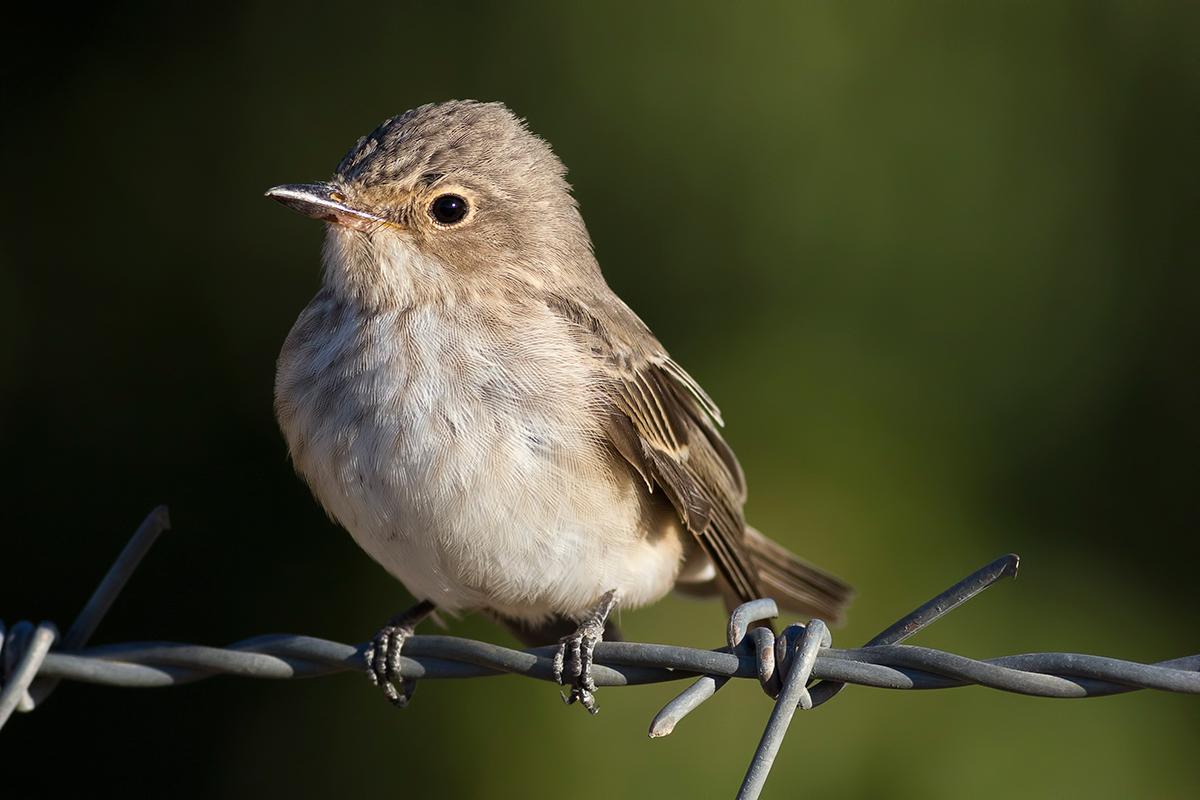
322	201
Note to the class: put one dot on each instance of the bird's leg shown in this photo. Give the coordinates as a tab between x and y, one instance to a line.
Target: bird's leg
575	653
383	653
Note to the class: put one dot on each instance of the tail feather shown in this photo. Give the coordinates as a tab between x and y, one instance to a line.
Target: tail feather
796	585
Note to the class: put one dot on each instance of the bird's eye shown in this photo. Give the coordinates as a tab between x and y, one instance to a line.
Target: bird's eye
448	209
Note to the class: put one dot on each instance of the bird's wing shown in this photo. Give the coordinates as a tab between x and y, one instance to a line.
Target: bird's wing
663	423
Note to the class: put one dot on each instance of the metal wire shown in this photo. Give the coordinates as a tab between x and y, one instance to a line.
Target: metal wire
784	665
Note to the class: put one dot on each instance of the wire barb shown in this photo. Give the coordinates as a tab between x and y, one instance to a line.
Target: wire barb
808	640
931	611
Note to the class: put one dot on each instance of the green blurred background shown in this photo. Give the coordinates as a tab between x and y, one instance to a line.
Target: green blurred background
937	264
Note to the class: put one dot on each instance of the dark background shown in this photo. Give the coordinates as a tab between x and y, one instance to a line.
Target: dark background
937	264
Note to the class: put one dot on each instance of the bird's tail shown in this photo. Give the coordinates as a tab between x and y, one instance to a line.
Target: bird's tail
796	585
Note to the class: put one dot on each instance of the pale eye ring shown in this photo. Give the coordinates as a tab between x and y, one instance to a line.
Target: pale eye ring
449	209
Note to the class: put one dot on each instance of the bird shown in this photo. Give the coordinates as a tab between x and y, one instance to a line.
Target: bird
471	401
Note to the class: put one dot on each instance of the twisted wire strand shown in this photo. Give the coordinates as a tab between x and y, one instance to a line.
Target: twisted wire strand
785	666
285	656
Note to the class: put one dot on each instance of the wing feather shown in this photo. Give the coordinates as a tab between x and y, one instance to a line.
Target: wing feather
661	421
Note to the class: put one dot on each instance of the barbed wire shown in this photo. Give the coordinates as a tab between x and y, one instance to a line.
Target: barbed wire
785	665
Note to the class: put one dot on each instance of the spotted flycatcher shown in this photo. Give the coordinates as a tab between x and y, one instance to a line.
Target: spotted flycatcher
490	422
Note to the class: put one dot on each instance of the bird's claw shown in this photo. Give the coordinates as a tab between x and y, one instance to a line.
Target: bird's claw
383	654
573	661
574	655
383	664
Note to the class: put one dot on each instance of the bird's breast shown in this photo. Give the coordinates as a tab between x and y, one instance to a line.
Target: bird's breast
462	450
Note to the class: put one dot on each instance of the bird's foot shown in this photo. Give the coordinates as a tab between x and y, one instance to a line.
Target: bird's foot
574	656
383	654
